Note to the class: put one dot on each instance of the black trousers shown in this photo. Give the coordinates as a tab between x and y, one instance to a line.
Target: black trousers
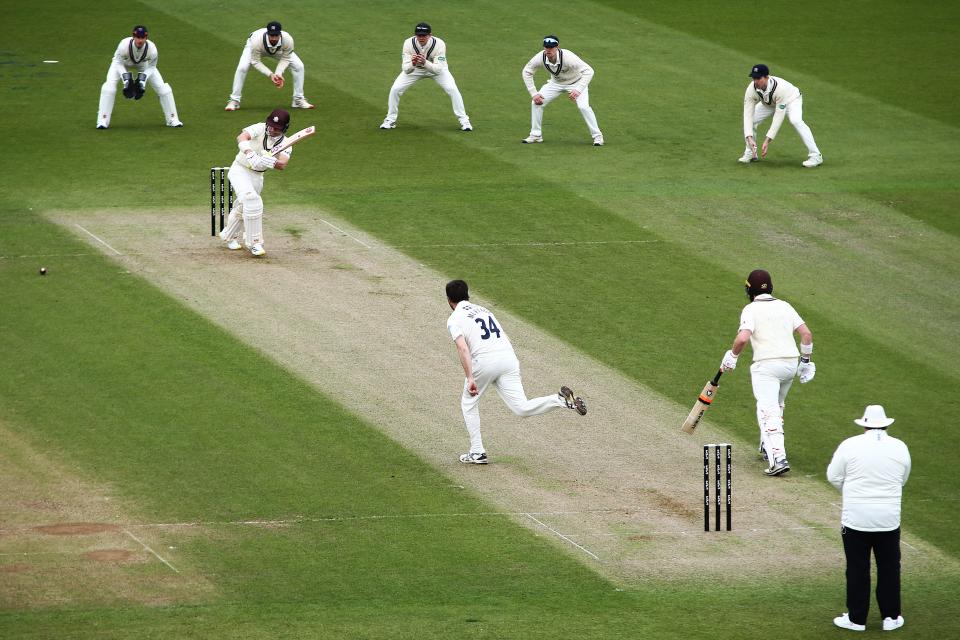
886	549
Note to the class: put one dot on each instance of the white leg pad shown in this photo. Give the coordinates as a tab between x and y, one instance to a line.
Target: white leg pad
234	224
252	219
108	92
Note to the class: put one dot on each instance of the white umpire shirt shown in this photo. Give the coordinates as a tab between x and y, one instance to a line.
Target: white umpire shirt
870	470
480	329
771	323
778	95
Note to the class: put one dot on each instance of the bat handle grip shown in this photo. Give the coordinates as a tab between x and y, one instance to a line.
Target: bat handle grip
716	378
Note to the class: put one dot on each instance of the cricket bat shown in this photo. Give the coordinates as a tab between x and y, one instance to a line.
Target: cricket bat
702	404
292	140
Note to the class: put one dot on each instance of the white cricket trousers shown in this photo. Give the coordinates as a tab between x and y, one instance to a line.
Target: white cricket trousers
108	93
406	80
296	70
795	115
771	381
248	208
550	91
502	370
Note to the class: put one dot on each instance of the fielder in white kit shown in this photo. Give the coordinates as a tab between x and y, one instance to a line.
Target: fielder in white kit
568	74
768	325
136	54
424	56
768	96
246	176
487	358
272	42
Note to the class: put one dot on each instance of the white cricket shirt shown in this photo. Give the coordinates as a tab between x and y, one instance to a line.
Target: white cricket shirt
143	59
481	330
778	94
260	46
771	323
261	144
870	470
435	52
569	69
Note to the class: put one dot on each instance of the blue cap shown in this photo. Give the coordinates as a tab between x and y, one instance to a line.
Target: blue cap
139	31
759	71
273	28
551	41
422	29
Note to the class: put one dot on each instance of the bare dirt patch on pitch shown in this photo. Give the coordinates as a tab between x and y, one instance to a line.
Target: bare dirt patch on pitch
64	541
619	489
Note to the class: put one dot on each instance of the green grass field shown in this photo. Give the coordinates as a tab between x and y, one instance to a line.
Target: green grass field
102	370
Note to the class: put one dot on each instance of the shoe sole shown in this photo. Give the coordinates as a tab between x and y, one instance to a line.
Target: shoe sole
573	402
531	141
778	472
471	461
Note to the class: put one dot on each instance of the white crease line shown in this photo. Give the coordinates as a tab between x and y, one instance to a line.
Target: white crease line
529	244
345	233
145	546
549	528
98	239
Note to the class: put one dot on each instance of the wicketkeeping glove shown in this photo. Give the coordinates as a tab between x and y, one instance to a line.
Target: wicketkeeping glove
806	371
729	362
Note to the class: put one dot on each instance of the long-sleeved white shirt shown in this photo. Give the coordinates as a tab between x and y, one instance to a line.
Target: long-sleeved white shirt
778	94
569	69
143	60
260	46
435	52
261	144
870	470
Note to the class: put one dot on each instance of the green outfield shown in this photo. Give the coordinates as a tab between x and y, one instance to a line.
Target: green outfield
277	511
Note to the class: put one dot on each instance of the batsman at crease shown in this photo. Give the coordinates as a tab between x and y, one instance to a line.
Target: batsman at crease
768	324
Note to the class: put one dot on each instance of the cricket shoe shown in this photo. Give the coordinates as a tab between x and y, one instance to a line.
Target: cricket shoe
301	103
233	105
532	139
813	161
889	624
176	124
466	126
779	467
598	141
474	458
572	402
388	124
101	126
234	244
258	250
747	158
844	623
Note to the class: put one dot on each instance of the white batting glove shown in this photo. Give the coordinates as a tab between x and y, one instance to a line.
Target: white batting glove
729	362
267	162
806	371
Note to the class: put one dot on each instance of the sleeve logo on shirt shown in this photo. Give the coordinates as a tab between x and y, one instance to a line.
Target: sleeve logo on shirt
783	106
441	58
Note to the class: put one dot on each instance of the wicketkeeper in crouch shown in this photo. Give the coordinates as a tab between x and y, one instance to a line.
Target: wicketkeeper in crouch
487	358
256	143
134	65
768	325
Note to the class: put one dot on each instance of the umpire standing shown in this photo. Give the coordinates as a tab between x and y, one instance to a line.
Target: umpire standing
871	469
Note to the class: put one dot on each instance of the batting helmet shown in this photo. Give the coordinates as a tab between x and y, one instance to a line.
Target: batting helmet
758	282
279	119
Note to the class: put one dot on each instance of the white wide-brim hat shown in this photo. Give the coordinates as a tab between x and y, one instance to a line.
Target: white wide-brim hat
874	417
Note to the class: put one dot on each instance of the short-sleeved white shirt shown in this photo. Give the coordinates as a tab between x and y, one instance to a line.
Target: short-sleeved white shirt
771	323
481	330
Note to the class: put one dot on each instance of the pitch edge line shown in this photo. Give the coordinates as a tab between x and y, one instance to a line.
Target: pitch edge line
145	546
98	239
344	233
551	529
